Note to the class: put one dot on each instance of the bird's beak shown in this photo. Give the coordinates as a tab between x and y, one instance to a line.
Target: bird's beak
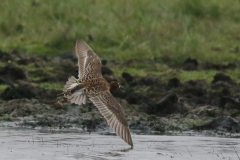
121	87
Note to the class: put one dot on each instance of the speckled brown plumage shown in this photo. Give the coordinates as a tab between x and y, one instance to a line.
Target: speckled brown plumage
90	83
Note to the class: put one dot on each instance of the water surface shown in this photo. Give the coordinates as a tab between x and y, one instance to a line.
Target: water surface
29	144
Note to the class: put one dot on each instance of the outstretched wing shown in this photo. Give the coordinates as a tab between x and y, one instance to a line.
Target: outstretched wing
111	110
89	63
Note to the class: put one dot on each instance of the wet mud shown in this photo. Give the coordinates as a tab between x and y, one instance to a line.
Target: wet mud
149	103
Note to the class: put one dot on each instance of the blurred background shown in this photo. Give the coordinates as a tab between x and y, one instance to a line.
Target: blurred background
158	35
176	58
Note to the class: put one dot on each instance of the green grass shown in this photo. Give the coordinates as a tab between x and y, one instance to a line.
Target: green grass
207	75
56	86
194	122
3	87
165	32
2	64
6	117
167	73
234	74
194	75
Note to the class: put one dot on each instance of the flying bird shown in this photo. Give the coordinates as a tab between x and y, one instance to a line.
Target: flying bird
91	84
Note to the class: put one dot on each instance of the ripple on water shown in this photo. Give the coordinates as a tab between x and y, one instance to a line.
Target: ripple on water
16	143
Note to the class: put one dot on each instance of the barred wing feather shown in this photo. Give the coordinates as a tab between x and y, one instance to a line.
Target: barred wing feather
111	110
89	63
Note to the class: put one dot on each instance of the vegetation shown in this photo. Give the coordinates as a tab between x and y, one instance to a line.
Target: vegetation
6	117
57	86
3	87
160	32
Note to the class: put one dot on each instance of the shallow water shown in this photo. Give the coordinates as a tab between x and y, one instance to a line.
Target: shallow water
28	144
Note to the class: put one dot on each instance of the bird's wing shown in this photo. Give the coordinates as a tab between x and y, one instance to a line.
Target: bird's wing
111	110
89	63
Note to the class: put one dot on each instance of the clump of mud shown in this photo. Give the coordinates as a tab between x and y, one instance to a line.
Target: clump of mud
23	107
28	91
10	73
190	64
150	103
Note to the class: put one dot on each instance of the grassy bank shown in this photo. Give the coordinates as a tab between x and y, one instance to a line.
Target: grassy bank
162	32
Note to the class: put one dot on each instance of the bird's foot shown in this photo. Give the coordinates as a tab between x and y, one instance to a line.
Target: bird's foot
61	94
63	100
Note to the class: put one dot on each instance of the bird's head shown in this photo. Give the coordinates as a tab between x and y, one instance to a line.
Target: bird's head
114	85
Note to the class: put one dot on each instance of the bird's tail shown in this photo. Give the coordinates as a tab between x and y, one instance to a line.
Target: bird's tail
71	83
77	97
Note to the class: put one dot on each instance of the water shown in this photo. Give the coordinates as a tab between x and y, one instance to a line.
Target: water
28	144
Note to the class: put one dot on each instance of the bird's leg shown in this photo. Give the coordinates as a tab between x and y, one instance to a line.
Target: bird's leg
61	94
64	100
68	92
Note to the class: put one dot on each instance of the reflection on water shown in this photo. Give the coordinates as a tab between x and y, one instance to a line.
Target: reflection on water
26	144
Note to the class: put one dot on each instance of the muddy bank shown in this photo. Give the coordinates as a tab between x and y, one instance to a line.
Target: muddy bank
150	104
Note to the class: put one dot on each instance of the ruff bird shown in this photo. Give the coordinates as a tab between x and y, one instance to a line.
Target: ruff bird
91	84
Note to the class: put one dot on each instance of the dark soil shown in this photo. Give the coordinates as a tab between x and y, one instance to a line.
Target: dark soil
29	92
12	72
218	66
128	78
222	77
190	64
150	103
5	56
173	83
106	71
17	93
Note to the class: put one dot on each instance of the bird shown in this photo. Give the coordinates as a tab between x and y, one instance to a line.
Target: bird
91	84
